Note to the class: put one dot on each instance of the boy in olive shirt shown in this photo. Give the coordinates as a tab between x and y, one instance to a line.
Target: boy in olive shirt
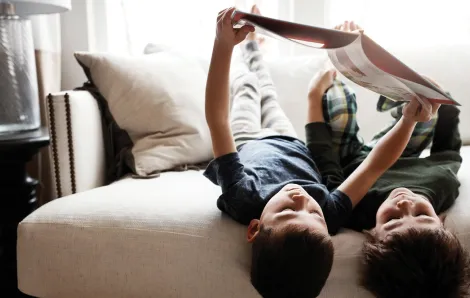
408	252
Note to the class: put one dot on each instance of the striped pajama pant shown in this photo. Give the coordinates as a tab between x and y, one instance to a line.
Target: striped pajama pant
255	111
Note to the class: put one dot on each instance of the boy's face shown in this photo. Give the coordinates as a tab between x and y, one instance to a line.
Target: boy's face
292	205
404	209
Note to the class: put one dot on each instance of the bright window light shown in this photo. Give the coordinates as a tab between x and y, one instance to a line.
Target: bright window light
406	23
184	24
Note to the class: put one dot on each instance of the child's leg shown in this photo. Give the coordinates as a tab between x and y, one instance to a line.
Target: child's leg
447	134
339	111
422	134
272	115
245	116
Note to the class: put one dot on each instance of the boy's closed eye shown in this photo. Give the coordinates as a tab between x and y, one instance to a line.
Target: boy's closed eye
393	218
421	214
392	214
417	214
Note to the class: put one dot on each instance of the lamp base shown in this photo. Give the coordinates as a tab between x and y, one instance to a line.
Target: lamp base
8	129
19	97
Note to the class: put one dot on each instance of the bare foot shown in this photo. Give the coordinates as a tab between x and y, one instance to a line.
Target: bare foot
252	35
349	27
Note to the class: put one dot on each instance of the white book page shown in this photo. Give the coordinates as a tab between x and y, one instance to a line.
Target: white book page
352	62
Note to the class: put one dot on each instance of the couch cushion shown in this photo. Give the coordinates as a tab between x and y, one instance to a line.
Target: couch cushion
164	237
158	100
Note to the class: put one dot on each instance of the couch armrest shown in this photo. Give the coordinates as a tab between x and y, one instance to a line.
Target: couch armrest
77	149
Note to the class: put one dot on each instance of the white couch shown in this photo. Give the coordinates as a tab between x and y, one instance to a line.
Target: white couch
165	237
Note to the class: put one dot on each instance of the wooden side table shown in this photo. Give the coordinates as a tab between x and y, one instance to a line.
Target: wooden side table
17	198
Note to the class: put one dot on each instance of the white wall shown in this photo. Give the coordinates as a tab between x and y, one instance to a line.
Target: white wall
75	37
82	29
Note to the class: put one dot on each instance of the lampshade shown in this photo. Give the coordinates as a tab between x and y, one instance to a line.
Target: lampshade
29	7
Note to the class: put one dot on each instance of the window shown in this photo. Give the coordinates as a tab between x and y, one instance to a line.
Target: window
404	23
190	24
185	24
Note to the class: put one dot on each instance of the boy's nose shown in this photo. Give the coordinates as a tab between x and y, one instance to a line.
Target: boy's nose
405	205
300	201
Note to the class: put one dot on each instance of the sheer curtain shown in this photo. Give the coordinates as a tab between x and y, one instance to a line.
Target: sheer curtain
127	26
186	25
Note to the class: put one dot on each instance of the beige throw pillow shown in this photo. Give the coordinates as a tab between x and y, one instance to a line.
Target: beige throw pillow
158	100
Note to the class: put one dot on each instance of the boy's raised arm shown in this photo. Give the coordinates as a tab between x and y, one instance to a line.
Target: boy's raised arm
318	134
217	101
217	86
386	152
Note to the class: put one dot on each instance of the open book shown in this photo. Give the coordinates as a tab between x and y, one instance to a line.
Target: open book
356	56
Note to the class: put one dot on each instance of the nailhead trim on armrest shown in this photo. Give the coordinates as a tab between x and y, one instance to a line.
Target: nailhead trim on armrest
54	146
68	120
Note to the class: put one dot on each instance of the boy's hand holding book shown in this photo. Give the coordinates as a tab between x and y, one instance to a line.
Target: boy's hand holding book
414	111
226	35
321	82
318	85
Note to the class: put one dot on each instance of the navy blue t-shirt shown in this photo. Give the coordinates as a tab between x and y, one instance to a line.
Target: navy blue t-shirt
250	177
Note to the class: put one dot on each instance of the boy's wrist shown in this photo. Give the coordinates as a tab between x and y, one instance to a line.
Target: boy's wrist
408	121
315	111
222	45
315	95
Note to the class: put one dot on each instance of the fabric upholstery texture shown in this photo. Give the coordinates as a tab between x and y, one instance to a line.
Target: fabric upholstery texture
142	238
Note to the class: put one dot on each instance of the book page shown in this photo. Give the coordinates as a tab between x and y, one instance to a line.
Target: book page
353	63
390	64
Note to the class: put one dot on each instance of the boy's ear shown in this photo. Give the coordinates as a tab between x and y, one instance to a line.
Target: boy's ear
370	234
442	217
253	230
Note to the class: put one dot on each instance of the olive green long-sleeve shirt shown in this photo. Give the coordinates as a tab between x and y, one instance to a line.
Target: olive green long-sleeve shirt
435	176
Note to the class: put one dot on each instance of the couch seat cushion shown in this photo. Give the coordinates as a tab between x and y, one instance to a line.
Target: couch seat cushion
164	237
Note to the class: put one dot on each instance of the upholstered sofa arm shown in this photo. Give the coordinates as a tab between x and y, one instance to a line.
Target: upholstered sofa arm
77	149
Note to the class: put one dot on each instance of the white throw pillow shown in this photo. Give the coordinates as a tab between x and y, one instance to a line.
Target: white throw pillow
158	100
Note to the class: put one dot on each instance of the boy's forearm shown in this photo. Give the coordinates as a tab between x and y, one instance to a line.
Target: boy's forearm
315	110
217	87
380	159
389	148
217	100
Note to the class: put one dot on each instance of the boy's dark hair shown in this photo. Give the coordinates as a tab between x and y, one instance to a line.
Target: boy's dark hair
416	263
290	263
